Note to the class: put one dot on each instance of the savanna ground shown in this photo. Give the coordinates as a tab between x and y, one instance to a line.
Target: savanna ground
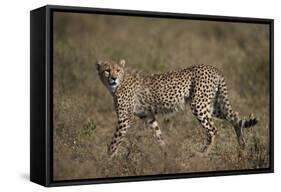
84	118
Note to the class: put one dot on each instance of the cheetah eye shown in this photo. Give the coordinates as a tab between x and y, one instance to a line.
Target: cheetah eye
106	73
118	70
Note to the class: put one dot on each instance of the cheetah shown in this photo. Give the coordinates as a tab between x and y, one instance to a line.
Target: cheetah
145	95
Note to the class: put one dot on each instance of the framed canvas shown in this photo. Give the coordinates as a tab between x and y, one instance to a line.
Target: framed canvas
119	95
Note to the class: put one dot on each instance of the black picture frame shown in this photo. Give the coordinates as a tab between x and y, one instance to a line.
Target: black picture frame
41	97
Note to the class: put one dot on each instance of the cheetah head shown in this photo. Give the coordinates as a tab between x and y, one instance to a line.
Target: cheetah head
111	73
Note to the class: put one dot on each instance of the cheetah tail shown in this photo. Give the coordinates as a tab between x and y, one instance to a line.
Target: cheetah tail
246	123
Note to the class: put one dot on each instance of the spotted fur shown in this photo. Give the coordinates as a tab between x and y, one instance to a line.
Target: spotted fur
146	95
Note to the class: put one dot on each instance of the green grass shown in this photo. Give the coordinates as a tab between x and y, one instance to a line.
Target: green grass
84	118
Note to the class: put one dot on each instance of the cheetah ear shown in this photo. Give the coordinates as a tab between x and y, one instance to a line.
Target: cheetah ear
98	65
122	62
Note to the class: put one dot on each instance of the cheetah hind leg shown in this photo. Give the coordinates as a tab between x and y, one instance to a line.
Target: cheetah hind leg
205	118
211	132
218	113
223	110
240	125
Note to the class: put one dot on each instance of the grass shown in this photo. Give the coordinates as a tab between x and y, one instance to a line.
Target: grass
84	118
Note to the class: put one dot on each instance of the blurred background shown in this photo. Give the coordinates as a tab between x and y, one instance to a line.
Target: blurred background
84	118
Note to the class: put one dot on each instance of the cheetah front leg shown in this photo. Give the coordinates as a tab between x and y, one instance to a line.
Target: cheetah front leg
153	124
121	130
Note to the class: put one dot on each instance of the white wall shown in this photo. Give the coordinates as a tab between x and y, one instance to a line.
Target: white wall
14	94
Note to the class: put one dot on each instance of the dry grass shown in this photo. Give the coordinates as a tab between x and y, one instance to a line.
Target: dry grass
84	119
